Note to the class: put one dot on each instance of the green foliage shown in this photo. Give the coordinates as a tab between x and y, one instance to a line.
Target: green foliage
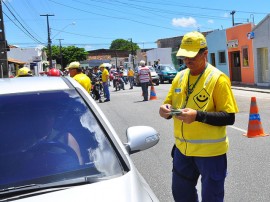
69	54
122	44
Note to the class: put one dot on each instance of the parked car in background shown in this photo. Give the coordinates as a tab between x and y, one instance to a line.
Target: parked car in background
166	72
182	67
154	76
57	145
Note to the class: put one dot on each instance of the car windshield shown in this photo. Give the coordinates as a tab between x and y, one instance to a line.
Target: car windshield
167	68
52	136
152	69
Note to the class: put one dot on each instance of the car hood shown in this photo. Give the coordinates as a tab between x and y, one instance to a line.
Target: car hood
154	74
129	187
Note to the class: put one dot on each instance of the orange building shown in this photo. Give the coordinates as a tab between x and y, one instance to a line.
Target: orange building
240	53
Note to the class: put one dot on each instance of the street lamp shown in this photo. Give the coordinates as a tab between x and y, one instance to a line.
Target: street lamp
132	53
73	23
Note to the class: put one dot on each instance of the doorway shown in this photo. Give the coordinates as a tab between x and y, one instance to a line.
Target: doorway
262	65
236	66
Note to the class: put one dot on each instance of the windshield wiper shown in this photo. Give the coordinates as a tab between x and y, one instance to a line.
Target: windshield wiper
48	187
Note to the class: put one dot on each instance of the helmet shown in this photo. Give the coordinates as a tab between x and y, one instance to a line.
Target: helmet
24	71
142	62
53	72
73	65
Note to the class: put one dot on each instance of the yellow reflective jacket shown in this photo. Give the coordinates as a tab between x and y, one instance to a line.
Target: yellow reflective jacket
84	80
212	93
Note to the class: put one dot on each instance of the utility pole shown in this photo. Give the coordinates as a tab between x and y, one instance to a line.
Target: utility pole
49	40
132	53
232	13
61	56
3	47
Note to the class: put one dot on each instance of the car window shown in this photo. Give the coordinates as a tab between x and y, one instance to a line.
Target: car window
168	68
51	136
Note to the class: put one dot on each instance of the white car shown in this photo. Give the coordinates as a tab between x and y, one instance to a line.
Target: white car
154	76
57	145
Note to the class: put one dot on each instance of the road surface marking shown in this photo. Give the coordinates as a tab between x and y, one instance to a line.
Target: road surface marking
236	128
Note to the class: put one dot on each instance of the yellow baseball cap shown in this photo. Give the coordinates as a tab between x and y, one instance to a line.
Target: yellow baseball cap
102	65
73	65
191	43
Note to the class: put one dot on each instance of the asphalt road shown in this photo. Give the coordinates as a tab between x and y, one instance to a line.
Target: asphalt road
248	158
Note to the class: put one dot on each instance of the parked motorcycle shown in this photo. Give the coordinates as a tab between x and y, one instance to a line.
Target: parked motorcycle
118	82
97	88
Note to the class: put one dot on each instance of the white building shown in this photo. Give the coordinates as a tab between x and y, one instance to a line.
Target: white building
33	57
160	55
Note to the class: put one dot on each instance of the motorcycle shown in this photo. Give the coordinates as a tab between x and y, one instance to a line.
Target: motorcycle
97	87
118	82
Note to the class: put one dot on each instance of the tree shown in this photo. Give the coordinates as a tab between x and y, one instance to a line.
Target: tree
69	54
122	44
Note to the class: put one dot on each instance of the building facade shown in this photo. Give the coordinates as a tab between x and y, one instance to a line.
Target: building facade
217	50
240	53
260	36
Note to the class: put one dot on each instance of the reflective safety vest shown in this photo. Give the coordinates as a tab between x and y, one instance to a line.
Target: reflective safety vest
197	138
84	80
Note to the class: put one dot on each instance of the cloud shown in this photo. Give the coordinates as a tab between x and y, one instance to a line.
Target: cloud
184	22
226	15
210	21
88	47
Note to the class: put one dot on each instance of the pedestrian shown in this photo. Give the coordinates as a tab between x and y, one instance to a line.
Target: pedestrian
144	77
201	103
130	75
105	78
76	72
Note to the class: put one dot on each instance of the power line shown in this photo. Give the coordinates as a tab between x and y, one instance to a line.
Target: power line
21	24
17	14
21	28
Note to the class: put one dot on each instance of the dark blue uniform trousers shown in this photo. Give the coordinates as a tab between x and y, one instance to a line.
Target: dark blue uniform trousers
186	171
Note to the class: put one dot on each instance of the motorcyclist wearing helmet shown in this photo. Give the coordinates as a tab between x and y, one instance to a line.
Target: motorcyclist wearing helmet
54	72
76	72
24	72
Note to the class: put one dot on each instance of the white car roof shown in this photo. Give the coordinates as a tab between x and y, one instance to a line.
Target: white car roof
31	84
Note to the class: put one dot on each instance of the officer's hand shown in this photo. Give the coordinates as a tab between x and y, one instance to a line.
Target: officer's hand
164	110
187	116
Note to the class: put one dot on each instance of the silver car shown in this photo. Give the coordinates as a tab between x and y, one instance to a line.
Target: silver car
57	145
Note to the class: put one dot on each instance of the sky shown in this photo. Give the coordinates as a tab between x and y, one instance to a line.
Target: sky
94	24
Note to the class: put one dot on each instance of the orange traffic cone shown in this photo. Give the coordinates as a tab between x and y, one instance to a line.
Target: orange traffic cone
153	95
254	126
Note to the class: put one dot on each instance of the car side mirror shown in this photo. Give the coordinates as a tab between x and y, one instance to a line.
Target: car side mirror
141	138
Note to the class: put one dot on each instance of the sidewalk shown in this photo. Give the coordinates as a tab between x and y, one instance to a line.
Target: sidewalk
261	89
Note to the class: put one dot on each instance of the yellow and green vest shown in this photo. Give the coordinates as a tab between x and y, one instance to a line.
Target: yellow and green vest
197	138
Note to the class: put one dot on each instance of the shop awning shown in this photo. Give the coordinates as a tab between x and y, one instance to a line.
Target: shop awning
12	60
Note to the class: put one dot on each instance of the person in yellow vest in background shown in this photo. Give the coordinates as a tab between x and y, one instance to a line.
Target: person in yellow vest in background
201	103
75	71
130	75
105	79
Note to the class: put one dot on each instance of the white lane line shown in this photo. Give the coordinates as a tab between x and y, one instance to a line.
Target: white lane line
236	128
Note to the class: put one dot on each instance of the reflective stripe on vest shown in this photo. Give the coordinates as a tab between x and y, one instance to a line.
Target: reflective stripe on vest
201	141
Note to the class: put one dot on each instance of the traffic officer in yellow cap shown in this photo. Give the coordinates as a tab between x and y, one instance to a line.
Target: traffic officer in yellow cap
201	103
76	72
105	79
